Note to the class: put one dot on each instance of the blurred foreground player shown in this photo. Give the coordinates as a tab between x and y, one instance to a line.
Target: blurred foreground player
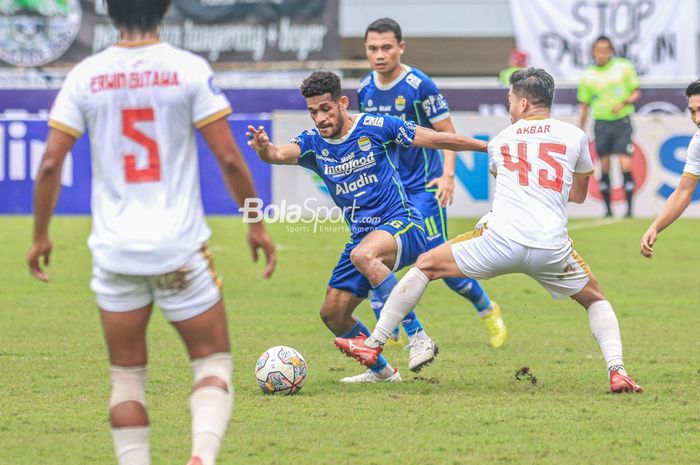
683	195
141	100
540	163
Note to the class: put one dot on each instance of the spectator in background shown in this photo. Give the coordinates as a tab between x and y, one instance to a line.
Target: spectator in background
517	60
610	87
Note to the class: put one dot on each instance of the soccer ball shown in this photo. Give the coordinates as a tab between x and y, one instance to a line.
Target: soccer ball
281	370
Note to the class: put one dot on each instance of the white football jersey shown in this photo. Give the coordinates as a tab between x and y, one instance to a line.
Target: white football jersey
692	162
534	161
141	106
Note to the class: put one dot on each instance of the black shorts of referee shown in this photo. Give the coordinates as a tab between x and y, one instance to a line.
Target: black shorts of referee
613	137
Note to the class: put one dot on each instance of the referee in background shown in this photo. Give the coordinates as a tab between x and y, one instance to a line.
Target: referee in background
610	88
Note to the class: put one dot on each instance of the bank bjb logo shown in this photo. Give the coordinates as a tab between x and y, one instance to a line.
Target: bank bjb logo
364	143
36	32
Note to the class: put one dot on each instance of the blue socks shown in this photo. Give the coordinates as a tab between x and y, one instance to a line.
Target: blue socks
358	329
377	306
380	294
472	290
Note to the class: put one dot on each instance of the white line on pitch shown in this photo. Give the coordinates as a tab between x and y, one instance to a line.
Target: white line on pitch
594	223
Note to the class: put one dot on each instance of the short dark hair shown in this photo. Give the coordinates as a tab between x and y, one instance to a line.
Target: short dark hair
604	38
384	25
137	15
322	82
535	84
693	89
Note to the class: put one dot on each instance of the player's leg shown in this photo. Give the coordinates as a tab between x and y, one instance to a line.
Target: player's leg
337	315
396	244
434	264
211	402
604	184
125	335
624	149
606	331
626	167
191	301
376	257
564	273
125	308
377	304
346	289
435	219
476	254
603	142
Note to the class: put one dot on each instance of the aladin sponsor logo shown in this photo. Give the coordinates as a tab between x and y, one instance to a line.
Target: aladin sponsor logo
348	187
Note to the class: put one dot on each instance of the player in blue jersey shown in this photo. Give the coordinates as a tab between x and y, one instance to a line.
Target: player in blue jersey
396	89
355	157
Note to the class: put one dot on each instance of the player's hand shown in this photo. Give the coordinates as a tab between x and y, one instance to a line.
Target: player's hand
646	244
618	107
40	249
259	239
259	140
445	189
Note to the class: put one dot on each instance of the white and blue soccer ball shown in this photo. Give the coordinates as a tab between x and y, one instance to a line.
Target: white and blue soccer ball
281	370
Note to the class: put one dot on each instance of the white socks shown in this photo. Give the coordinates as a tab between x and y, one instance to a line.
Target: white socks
131	445
386	372
607	334
211	412
418	336
403	298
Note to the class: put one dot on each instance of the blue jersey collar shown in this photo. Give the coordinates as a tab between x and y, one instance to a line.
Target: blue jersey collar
358	117
375	77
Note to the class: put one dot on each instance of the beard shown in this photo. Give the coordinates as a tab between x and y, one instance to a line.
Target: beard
337	127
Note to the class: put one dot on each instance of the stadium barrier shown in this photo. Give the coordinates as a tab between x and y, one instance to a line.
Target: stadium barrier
660	144
22	142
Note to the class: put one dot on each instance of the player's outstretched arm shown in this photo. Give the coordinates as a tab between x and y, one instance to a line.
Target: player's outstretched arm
673	208
284	154
443	140
46	189
239	183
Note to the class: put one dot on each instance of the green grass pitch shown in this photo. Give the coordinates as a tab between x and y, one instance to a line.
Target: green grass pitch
468	408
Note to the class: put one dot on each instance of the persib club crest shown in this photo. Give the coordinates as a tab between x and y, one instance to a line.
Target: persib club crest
400	103
36	32
364	143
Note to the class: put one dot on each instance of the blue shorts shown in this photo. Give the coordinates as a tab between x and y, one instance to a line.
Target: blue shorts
434	217
410	241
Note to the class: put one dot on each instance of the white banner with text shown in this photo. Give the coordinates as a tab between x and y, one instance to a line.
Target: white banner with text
659	37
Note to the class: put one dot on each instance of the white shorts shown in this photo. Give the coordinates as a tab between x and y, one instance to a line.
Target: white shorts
182	294
484	254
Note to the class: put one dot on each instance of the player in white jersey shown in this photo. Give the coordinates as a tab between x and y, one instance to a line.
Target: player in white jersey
683	195
141	100
540	164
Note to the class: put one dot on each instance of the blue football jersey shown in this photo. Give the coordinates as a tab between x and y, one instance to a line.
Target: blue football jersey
360	170
412	97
